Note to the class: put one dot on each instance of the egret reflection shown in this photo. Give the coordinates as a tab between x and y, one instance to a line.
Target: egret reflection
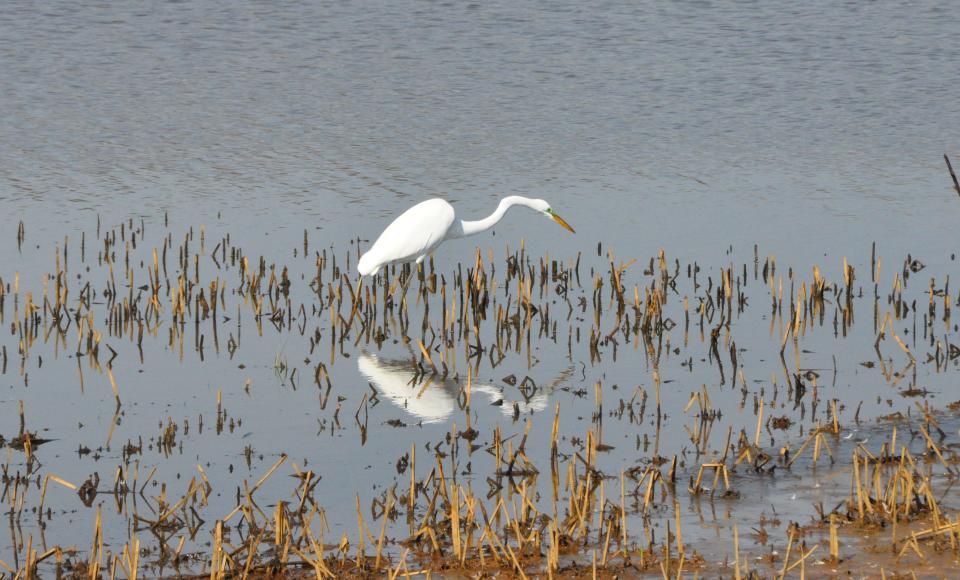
432	399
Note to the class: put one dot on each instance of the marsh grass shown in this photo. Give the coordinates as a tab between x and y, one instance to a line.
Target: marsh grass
527	513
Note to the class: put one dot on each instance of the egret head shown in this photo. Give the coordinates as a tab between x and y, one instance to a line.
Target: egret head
543	207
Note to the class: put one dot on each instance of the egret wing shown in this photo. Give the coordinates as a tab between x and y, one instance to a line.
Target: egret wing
414	233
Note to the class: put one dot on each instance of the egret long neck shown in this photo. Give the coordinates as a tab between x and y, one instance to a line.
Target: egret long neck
469	228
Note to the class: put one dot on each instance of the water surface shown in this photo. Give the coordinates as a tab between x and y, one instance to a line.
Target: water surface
808	130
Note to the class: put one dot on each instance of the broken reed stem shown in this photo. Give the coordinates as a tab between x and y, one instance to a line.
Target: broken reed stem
736	553
756	436
834	540
953	176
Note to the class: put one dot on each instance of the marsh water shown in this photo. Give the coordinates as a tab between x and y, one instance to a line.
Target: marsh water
725	135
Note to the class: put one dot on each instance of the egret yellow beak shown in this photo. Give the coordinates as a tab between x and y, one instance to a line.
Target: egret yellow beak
562	222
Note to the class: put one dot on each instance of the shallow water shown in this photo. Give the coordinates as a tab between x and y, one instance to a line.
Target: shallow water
221	396
648	125
809	131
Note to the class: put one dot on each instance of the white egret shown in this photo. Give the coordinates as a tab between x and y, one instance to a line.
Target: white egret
419	230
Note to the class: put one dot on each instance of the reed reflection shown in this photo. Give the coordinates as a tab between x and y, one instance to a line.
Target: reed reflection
433	399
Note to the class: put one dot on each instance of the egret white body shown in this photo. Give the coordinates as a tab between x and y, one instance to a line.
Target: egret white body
419	230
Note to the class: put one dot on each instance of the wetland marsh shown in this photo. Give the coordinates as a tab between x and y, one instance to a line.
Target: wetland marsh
745	362
530	414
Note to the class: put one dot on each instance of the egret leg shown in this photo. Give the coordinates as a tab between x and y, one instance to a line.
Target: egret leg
356	303
406	273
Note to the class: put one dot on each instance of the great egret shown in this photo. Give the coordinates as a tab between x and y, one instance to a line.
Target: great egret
419	230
